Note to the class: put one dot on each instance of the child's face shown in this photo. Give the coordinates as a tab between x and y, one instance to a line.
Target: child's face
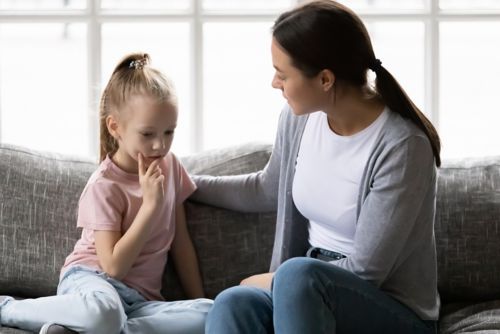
144	126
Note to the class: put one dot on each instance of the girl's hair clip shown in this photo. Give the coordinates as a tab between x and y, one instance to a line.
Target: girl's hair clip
138	64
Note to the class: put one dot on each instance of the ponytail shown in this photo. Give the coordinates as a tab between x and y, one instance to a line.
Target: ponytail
107	143
398	101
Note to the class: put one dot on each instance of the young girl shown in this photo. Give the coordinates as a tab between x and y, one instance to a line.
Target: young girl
353	178
132	214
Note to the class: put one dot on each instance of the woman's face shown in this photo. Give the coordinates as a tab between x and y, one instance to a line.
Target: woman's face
304	95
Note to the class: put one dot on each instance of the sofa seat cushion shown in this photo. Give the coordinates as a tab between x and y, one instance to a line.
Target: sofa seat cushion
476	318
9	330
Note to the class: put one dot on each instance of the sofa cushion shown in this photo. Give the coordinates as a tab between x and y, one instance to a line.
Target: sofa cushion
38	200
476	318
231	245
468	229
234	160
8	330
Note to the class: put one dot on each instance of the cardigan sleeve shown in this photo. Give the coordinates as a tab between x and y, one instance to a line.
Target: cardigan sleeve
403	185
254	192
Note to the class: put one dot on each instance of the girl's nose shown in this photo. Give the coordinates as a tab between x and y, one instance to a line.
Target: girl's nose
159	144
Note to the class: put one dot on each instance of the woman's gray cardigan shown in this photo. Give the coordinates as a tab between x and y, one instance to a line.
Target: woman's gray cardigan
394	244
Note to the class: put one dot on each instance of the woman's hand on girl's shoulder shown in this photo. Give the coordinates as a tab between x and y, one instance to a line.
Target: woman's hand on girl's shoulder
151	180
262	281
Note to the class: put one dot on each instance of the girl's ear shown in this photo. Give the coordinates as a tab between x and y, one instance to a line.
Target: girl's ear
327	79
112	125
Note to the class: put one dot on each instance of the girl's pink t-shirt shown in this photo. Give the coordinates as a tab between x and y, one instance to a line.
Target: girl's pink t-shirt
110	201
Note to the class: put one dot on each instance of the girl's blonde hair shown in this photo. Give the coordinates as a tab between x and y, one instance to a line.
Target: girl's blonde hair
132	76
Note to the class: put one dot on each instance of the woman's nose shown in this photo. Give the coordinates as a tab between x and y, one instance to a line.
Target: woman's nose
276	83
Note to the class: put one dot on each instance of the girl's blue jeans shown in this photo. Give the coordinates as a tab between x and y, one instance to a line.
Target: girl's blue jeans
90	301
312	296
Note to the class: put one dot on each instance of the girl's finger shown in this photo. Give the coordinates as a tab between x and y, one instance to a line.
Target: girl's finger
153	166
140	161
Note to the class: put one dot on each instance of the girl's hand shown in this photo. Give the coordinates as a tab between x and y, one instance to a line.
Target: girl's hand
262	281
151	181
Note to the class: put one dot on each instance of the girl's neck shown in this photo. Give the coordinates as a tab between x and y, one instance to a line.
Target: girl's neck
124	162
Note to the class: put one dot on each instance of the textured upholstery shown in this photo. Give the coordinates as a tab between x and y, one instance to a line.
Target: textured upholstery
468	230
39	195
468	245
472	318
231	245
38	201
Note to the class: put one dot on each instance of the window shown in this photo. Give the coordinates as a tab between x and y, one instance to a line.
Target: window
445	53
56	55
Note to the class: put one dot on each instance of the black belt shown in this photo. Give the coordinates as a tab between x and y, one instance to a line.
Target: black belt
324	254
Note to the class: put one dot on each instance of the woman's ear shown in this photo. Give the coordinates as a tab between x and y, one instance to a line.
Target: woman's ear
327	79
112	125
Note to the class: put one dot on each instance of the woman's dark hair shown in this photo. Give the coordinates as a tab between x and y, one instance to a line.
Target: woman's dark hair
324	34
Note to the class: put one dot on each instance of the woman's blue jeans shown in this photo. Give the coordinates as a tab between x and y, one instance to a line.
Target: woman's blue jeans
312	296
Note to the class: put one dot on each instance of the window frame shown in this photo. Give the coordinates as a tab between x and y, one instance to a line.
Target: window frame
431	16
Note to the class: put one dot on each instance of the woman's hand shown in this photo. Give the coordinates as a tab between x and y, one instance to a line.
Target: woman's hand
262	281
151	180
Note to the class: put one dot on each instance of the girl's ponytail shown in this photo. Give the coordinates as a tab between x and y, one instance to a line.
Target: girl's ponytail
107	144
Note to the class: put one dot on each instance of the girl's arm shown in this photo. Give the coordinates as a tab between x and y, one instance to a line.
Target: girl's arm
116	252
184	256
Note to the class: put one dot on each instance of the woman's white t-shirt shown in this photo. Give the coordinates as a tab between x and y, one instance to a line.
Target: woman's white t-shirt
327	180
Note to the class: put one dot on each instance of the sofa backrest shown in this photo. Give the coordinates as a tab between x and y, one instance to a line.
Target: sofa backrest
38	200
39	194
468	229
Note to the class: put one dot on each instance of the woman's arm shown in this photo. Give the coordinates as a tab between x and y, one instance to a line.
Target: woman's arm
184	256
255	192
396	213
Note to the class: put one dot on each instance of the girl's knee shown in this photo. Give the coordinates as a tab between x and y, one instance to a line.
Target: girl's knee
103	314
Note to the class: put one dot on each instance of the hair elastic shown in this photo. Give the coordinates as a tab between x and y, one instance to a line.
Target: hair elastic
376	65
138	64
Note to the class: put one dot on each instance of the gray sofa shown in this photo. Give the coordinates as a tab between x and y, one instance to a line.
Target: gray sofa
39	195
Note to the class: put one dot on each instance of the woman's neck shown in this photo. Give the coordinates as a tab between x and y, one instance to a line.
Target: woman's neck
353	111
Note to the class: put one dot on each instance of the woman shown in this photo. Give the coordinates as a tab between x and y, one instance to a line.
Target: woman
353	177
